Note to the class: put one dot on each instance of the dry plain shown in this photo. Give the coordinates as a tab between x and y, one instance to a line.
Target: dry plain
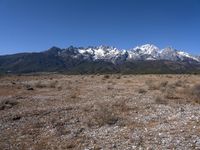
93	112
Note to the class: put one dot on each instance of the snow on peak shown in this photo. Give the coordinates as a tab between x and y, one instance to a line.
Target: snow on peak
143	52
107	52
148	46
147	49
184	54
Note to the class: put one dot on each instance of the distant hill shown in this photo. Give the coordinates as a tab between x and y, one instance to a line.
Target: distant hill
103	59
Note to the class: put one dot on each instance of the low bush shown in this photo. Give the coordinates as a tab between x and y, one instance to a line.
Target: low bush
103	115
7	104
161	100
195	93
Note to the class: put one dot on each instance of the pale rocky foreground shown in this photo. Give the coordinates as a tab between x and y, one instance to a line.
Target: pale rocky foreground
93	112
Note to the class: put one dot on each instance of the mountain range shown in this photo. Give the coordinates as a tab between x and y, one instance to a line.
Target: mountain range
147	58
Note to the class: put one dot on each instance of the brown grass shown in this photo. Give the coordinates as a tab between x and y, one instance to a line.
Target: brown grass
118	77
142	91
53	84
106	77
194	93
7	104
74	93
104	114
155	85
49	84
179	90
39	84
161	100
54	113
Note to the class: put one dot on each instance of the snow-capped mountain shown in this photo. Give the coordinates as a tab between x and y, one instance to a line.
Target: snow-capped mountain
101	52
147	58
144	52
147	49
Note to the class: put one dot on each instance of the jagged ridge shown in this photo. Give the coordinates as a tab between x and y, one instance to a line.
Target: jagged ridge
144	52
103	59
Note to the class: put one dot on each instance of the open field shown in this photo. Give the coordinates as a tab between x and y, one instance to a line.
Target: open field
96	112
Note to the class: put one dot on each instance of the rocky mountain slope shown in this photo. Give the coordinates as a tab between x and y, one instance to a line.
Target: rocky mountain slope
103	59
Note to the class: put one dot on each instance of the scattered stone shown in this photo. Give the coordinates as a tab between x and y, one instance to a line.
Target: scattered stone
15	118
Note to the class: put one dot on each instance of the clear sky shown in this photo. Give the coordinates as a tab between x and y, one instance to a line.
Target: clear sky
36	25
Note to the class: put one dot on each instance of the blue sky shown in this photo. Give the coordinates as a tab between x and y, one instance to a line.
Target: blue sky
36	25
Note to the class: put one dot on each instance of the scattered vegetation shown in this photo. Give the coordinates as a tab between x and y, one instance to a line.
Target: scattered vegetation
142	91
177	90
82	109
7	104
74	93
179	83
110	87
39	84
49	84
29	87
195	93
53	84
155	85
118	77
161	100
106	77
104	114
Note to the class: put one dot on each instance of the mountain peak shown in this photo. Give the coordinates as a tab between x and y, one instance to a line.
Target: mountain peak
53	50
105	47
147	47
143	52
103	58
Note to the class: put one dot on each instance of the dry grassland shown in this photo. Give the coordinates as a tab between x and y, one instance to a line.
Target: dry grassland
96	112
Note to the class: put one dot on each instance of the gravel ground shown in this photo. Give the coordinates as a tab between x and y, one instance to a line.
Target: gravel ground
94	112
